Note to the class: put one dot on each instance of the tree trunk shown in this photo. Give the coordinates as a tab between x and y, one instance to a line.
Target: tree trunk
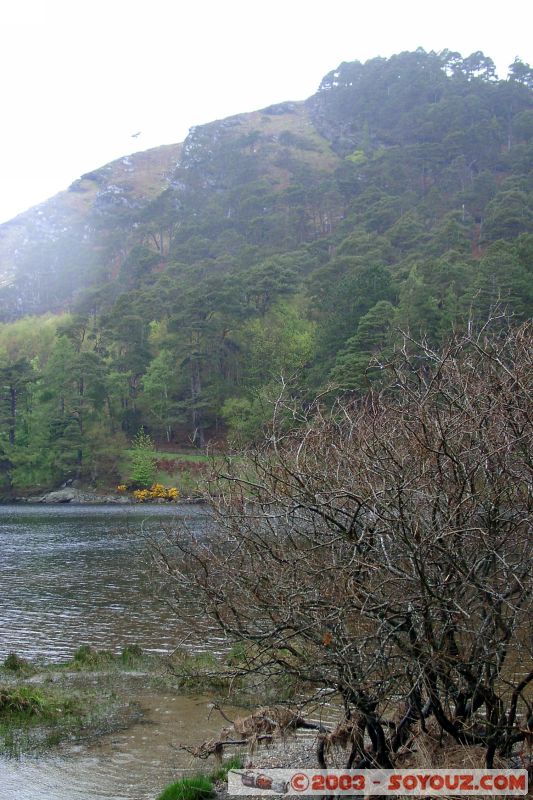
198	436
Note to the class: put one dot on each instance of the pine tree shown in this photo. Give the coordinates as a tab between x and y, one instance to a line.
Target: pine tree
373	337
143	469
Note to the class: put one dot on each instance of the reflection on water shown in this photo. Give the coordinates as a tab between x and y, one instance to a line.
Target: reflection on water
72	575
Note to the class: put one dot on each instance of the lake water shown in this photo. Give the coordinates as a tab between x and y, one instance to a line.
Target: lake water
72	575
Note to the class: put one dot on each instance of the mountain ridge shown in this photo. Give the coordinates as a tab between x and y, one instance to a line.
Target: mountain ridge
132	182
361	112
293	244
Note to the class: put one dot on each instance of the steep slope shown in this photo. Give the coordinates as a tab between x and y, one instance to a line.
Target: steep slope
50	252
400	141
235	168
290	244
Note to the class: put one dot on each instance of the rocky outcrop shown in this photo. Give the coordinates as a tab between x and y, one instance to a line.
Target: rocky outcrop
55	250
76	496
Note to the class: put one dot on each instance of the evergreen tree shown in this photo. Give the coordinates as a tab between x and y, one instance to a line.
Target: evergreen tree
142	455
354	368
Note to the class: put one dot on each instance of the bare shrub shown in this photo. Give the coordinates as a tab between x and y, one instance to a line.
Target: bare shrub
381	547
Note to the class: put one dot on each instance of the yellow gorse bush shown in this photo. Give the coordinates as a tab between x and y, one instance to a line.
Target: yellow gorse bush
156	492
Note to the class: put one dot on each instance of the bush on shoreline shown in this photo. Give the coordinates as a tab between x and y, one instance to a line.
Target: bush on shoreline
381	548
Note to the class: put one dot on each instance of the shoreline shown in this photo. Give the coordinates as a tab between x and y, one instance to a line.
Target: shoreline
74	497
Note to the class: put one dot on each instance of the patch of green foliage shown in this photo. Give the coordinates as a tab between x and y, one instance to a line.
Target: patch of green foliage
26	703
142	454
221	774
68	704
33	717
200	786
195	788
87	656
131	655
15	663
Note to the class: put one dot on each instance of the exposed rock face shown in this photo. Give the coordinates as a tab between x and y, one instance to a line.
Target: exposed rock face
51	252
80	241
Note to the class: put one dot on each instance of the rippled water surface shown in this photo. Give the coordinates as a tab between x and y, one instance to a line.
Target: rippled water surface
71	575
79	574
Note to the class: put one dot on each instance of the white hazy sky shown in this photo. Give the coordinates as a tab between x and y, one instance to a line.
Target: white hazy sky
80	77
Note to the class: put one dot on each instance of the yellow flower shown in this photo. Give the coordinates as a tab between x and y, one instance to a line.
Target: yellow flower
156	492
141	495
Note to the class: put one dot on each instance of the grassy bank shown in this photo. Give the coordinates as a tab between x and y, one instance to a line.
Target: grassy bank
42	706
93	693
186	471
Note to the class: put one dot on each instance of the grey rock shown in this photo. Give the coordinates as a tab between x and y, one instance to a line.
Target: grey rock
67	495
72	495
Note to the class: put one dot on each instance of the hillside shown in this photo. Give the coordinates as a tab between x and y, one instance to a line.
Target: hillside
82	237
297	239
50	252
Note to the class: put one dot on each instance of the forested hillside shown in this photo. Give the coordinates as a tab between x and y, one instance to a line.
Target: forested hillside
173	289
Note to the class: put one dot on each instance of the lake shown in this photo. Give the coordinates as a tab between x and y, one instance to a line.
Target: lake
72	575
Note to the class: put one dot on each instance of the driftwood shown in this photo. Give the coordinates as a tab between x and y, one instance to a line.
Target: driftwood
216	746
260	726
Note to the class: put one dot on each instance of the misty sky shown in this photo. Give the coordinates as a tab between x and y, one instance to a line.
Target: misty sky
79	78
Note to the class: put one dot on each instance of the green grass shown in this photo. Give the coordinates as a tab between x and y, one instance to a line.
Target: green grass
14	663
221	774
26	703
200	786
91	694
171	455
175	455
88	658
33	717
196	788
85	659
65	705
